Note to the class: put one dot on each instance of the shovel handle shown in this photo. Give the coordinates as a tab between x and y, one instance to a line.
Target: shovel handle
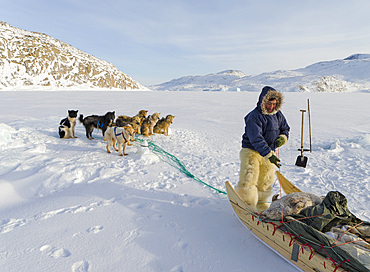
309	122
303	111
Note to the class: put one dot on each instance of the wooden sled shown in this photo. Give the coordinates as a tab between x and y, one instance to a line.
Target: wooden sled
287	186
286	245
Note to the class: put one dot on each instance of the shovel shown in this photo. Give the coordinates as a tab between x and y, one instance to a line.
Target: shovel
302	160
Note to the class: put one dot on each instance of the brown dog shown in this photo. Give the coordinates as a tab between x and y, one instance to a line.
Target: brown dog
163	124
148	124
142	114
135	123
123	119
122	135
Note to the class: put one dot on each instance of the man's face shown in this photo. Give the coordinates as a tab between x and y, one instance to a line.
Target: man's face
271	105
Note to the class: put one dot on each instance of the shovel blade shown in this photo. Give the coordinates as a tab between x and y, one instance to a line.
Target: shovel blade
301	161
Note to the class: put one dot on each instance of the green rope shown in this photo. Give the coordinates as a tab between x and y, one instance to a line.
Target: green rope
175	162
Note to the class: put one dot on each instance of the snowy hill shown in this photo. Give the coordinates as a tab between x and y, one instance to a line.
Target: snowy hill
220	81
31	60
346	75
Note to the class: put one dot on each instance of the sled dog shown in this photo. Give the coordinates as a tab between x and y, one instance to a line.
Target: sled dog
96	121
122	135
129	120
148	124
163	124
67	125
135	123
142	114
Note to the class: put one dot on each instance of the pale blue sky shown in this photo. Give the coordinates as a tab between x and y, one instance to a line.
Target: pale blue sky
159	40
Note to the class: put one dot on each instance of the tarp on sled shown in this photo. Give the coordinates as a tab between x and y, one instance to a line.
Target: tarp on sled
309	226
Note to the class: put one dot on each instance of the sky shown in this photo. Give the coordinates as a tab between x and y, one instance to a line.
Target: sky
157	41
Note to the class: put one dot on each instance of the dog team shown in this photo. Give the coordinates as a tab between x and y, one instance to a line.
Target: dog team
120	131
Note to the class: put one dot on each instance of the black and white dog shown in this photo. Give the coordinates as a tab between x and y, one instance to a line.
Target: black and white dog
96	121
67	125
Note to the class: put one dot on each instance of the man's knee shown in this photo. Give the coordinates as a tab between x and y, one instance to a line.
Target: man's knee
249	168
266	177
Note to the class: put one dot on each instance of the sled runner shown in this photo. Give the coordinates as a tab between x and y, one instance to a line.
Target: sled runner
302	256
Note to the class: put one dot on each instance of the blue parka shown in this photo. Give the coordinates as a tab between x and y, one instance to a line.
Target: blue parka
263	128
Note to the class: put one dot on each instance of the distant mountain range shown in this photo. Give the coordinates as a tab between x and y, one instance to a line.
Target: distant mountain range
31	60
347	75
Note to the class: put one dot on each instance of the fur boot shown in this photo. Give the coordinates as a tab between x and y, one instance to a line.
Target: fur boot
263	197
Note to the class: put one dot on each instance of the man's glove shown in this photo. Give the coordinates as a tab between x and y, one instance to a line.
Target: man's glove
280	141
275	160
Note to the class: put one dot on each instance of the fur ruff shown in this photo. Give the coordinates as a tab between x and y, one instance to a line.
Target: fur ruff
272	95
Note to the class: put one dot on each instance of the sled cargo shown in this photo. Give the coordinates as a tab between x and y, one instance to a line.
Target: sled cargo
301	255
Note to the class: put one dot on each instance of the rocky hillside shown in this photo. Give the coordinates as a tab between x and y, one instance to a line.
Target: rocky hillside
346	75
35	60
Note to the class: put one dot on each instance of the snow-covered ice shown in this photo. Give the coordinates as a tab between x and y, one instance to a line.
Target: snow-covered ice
68	205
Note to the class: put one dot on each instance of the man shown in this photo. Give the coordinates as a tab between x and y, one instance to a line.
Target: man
265	129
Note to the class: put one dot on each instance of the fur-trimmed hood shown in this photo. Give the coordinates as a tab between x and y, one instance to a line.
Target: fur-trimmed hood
267	94
263	128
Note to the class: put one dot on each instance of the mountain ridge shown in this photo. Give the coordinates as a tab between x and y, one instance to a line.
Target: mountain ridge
345	75
34	60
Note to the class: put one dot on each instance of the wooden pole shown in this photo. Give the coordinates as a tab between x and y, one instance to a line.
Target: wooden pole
309	122
303	111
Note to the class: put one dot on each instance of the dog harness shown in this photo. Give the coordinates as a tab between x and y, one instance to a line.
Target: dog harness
121	133
101	125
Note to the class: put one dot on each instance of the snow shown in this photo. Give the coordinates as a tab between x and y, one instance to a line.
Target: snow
68	205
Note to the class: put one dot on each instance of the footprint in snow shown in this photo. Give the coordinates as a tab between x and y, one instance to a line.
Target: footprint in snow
81	266
156	216
177	268
137	206
203	202
180	246
55	252
94	229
